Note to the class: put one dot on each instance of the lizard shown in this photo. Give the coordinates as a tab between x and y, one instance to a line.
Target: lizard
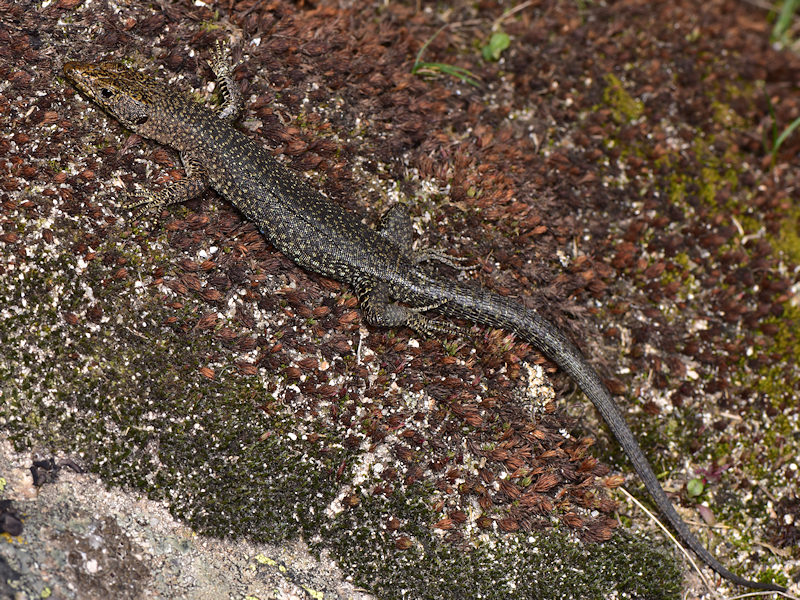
393	282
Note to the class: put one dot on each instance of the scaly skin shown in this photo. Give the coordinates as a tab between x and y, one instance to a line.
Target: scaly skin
394	287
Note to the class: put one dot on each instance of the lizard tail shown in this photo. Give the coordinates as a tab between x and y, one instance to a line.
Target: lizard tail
485	307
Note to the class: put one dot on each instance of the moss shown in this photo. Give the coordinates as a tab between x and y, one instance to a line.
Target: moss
777	449
725	115
682	274
139	412
701	175
520	565
624	107
141	416
776	379
209	26
715	173
787	240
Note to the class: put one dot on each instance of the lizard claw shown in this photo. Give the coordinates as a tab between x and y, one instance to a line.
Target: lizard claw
142	204
432	327
432	254
219	62
221	65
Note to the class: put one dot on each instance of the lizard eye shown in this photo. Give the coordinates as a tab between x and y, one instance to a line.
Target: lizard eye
106	93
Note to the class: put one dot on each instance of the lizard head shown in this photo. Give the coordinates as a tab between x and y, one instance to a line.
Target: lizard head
121	91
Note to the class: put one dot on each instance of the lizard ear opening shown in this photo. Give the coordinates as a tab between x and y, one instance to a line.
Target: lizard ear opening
141	120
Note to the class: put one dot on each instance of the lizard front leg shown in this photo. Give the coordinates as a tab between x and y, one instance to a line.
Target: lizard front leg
194	184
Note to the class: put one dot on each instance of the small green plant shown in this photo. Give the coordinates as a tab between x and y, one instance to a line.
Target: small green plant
783	22
695	487
491	51
433	68
778	139
497	43
782	137
452	348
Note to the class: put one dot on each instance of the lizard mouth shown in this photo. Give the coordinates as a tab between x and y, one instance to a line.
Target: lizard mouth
76	73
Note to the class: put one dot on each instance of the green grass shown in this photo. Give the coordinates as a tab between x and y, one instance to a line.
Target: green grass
421	67
778	138
784	20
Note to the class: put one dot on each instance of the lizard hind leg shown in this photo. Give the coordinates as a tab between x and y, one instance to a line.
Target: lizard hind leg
221	65
380	311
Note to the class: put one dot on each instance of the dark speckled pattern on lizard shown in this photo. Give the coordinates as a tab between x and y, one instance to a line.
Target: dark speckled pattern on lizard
392	282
